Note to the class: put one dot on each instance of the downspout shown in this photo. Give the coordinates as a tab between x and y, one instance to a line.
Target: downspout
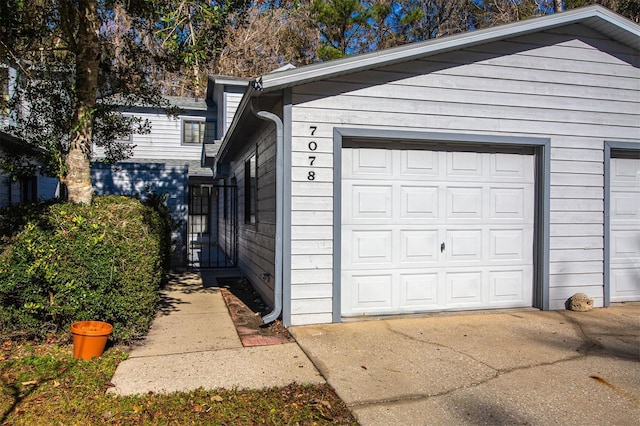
268	116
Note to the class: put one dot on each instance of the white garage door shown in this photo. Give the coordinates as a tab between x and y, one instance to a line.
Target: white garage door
625	230
429	230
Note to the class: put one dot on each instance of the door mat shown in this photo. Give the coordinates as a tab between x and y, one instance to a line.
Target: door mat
246	309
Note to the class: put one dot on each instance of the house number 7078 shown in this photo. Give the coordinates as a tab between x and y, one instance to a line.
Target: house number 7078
313	145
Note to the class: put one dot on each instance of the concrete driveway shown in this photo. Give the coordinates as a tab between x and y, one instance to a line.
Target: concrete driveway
516	367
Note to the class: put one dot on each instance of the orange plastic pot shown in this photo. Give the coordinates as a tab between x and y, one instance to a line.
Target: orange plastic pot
90	338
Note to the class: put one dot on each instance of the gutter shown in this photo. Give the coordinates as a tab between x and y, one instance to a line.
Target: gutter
268	116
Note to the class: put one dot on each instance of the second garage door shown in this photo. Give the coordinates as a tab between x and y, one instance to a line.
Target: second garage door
625	230
436	229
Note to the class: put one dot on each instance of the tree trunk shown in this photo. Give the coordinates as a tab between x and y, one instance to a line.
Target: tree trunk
557	6
87	48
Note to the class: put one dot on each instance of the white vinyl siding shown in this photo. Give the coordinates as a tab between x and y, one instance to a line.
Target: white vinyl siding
165	139
571	85
256	241
231	101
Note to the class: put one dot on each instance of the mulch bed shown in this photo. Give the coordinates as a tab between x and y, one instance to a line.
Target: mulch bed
247	309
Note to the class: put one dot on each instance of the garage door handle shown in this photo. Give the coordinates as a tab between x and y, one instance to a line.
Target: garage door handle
441	247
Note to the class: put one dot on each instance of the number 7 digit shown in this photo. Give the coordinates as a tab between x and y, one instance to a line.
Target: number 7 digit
313	129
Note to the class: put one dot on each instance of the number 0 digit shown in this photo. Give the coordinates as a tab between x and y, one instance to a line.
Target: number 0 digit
313	146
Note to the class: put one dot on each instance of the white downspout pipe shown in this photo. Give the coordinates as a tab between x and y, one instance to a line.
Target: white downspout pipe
268	116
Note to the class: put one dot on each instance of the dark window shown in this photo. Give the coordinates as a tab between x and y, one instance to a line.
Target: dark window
29	189
200	201
250	190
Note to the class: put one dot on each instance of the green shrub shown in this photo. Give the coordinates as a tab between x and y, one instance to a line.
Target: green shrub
76	262
14	218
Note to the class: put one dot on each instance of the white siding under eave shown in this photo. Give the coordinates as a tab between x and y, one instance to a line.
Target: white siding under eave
571	85
165	139
256	242
231	102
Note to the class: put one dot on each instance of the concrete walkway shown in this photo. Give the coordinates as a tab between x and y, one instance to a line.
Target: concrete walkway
533	368
193	343
504	367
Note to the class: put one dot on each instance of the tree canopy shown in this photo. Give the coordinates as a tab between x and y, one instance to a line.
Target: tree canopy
78	63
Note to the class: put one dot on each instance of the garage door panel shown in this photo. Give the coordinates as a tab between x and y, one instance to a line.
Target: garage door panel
371	202
419	163
625	205
507	244
377	162
464	164
372	247
507	203
419	202
509	166
370	292
421	247
625	284
419	290
464	288
463	245
625	244
506	285
464	203
625	171
510	287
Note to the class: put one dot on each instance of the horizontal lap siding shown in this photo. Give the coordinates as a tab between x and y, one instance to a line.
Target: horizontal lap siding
256	242
164	140
570	91
231	102
134	179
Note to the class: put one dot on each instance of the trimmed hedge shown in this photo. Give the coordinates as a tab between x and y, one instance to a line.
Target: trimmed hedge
73	262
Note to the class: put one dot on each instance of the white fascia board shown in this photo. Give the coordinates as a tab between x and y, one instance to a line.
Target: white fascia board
628	30
230	81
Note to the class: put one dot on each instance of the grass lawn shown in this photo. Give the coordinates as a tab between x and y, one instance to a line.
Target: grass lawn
42	384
